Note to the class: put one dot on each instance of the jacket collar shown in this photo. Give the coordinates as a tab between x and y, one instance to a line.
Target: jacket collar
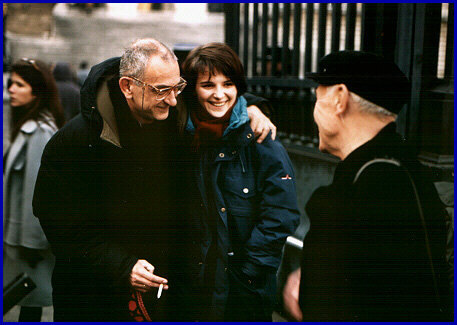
386	144
110	130
28	128
238	118
96	105
45	118
238	133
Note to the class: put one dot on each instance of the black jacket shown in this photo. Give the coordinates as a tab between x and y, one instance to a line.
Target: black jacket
103	198
364	257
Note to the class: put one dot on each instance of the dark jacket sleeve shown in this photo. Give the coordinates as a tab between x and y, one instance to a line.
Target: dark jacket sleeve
279	214
263	104
71	212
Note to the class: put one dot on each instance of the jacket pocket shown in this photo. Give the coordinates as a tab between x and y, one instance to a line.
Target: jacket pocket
241	198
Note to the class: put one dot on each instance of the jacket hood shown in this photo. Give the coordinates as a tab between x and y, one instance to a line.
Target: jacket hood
96	76
63	72
96	105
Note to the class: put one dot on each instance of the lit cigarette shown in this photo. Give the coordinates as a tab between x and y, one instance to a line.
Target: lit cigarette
159	293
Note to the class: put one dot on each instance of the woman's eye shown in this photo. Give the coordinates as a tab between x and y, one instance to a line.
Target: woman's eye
229	84
207	86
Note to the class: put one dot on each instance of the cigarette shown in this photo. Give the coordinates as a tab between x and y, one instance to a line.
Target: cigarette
159	293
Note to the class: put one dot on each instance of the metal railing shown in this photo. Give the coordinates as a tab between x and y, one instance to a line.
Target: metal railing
278	43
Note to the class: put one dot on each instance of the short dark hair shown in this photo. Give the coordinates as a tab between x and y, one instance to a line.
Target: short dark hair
215	57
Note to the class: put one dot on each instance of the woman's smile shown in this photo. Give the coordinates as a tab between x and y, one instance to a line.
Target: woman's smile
216	93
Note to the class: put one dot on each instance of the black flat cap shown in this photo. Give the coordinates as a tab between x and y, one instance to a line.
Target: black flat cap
366	74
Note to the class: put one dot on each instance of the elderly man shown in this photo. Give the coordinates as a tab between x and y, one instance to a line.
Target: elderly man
109	189
367	256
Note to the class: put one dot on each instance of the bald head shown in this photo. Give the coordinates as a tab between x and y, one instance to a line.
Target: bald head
137	56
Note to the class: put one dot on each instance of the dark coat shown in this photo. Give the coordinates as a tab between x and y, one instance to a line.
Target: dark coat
103	199
244	209
364	257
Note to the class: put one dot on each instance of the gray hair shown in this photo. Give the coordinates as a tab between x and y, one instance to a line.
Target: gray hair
371	108
137	55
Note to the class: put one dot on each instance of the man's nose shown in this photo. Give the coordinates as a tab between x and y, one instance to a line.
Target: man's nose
171	99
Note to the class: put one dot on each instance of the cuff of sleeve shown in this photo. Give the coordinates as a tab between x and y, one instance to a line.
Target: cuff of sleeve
263	104
127	267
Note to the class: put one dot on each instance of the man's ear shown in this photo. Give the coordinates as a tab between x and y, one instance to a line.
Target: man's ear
342	99
126	87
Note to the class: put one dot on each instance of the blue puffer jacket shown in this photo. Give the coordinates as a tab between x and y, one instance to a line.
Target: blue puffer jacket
255	205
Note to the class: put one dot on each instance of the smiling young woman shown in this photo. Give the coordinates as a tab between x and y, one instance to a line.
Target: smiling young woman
243	206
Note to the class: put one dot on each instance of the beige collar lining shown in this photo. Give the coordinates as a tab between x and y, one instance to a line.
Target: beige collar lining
110	131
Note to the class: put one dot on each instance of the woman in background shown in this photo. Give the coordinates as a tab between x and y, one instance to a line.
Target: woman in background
36	114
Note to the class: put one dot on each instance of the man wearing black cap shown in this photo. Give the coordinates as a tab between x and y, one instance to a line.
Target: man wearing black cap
367	256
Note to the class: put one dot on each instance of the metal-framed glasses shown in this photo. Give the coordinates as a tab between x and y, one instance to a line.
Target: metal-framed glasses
162	93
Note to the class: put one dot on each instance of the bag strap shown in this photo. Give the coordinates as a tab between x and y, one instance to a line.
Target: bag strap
143	309
419	208
374	161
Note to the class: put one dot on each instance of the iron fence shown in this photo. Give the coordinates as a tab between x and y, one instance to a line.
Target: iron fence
279	42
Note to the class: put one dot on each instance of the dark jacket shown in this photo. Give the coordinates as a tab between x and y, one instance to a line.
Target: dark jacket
103	199
244	208
68	90
364	257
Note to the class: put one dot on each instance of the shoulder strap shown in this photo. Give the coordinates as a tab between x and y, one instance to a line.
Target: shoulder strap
374	161
419	208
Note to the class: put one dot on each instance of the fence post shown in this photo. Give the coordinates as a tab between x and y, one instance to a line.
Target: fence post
403	54
232	25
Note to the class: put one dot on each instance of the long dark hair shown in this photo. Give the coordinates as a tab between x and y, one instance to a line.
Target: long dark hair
39	76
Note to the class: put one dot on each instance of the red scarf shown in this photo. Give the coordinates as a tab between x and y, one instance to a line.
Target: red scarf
208	129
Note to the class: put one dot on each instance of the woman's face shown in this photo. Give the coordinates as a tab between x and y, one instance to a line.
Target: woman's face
20	91
216	93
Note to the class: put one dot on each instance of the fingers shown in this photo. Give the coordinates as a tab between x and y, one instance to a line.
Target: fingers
149	267
262	129
260	124
143	279
255	127
263	134
273	131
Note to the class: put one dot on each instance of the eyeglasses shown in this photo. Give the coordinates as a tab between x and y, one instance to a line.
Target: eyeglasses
162	93
32	62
